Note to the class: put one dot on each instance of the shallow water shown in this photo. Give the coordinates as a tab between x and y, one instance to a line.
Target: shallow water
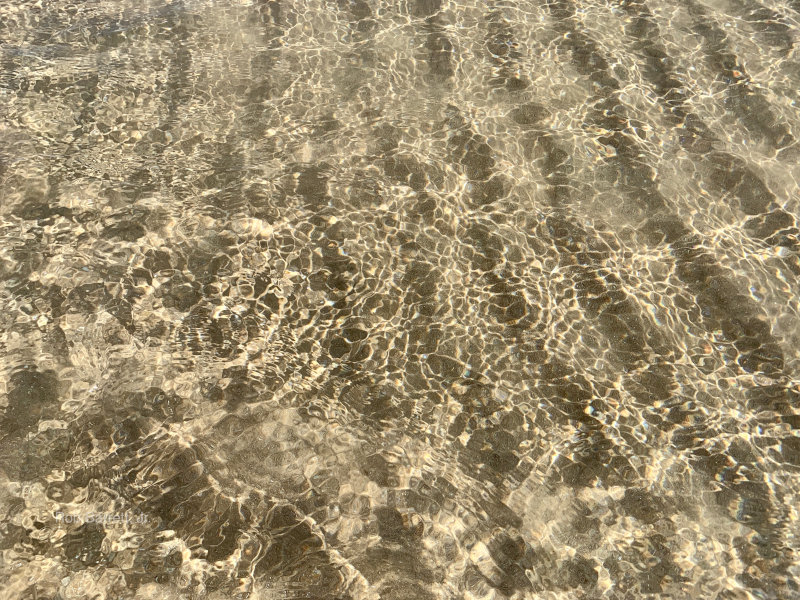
399	300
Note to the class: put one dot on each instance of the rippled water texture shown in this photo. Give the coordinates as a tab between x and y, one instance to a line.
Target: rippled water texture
399	300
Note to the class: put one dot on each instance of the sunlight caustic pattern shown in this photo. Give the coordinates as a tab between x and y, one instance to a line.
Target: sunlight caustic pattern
414	299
